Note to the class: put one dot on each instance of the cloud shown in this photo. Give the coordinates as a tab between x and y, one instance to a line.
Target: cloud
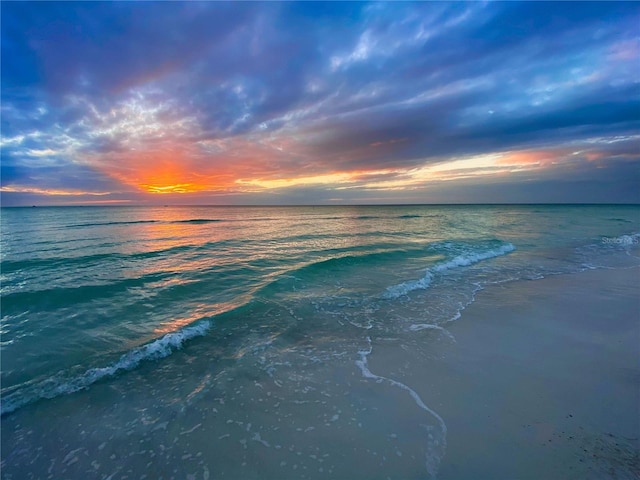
241	98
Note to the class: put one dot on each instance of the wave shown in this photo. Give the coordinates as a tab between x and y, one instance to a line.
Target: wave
462	260
136	222
9	266
379	217
198	220
53	387
376	217
101	224
343	259
58	297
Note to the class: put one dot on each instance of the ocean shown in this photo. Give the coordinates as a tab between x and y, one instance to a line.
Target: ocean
234	342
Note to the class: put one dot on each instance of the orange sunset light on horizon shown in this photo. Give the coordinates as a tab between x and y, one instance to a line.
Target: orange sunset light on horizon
163	172
182	169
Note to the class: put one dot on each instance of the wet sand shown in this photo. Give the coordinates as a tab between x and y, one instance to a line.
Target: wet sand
542	382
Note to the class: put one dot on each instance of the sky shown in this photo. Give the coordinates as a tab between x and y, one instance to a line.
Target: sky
319	103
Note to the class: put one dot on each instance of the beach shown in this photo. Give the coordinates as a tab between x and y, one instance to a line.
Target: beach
542	382
359	343
537	379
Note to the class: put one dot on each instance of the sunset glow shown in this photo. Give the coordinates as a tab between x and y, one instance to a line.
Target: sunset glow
255	103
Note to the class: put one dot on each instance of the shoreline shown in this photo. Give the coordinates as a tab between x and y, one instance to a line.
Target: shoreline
543	380
537	379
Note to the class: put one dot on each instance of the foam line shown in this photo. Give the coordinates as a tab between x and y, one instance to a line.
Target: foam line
416	327
432	461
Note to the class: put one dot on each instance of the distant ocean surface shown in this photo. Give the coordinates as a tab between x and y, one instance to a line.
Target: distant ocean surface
253	325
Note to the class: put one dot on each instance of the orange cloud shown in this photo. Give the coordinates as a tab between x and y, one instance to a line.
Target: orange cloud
173	163
49	191
163	170
528	157
594	155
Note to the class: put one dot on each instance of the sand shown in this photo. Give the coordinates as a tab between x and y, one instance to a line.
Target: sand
542	382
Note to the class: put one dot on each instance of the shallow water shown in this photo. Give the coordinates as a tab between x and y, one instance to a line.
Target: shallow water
208	342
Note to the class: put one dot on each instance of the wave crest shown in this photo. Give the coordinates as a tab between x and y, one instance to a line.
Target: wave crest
54	387
462	260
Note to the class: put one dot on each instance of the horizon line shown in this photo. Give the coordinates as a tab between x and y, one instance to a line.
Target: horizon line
330	205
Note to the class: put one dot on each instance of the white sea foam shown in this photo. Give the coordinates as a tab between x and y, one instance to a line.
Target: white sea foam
55	386
397	291
471	258
462	260
435	447
416	327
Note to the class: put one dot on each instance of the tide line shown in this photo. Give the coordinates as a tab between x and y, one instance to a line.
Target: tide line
436	448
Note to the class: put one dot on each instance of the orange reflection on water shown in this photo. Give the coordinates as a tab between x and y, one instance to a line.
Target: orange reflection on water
200	313
181	226
178	323
171	249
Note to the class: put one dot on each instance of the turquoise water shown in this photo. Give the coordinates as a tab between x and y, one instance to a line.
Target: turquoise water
252	326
